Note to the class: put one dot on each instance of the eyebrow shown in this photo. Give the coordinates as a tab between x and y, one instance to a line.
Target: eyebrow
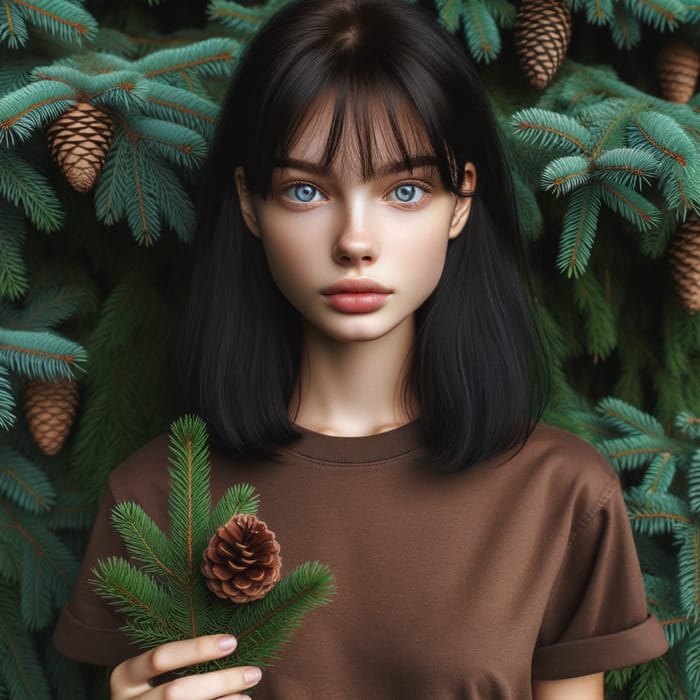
392	168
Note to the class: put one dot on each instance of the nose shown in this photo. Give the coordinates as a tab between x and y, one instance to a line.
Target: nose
355	243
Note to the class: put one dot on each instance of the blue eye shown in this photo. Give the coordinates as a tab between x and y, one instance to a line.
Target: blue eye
405	193
303	192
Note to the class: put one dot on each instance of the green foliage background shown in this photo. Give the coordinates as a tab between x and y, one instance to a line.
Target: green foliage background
605	171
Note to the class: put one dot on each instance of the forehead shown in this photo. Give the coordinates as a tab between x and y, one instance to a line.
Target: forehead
368	137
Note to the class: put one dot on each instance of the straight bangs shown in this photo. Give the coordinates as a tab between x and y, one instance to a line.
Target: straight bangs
383	99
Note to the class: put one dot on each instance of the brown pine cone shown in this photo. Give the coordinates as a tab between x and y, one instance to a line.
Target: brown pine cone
542	33
50	408
242	561
678	68
684	253
79	140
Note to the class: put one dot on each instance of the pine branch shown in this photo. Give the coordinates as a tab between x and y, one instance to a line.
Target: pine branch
23	185
71	511
564	175
601	322
626	29
629	204
143	539
598	12
262	626
116	350
242	19
65	20
124	89
136	184
479	20
693	476
169	600
173	142
40	355
240	498
633	451
7	400
688	424
551	131
689	570
662	514
14	276
20	668
660	473
626	166
171	104
47	567
481	31
503	12
134	592
24	111
579	229
189	504
662	137
210	58
13	28
46	307
629	420
24	483
663	15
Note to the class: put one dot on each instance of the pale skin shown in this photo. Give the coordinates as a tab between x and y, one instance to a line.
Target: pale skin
318	228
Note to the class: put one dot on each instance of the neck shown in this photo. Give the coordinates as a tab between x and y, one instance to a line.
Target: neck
353	388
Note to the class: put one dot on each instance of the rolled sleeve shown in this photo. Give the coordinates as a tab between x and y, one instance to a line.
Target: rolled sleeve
596	618
581	657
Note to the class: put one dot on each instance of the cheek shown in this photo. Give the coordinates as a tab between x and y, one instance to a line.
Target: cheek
425	252
289	249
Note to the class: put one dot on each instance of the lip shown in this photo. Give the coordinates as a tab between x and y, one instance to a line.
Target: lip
359	285
360	295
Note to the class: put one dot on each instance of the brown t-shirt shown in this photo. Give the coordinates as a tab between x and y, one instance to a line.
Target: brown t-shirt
460	585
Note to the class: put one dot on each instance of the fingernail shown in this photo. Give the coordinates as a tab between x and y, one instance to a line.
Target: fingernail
226	643
252	674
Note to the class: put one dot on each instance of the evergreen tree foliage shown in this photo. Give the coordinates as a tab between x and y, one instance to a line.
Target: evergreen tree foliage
165	598
664	504
605	172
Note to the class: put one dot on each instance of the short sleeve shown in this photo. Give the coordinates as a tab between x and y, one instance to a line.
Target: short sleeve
596	616
88	627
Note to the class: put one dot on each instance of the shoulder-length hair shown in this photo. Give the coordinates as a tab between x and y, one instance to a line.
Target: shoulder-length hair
477	368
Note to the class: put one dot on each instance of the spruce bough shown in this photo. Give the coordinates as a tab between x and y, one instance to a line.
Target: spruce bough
165	598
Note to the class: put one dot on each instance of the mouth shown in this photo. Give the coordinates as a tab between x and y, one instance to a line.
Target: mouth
356	296
360	285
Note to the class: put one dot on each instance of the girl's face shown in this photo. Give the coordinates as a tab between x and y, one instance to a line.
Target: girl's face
325	231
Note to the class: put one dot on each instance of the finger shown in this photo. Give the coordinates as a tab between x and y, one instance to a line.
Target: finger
175	655
208	686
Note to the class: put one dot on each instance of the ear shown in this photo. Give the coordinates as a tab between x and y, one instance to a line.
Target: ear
463	204
246	200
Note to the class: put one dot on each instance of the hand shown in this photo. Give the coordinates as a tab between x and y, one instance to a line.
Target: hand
133	677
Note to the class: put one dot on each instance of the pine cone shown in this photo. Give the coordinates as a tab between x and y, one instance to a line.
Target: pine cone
678	68
684	253
242	561
50	408
542	33
79	140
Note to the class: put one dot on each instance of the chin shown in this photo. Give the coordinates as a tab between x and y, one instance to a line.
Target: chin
355	332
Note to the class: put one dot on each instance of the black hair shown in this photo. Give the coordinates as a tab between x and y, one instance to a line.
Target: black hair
478	369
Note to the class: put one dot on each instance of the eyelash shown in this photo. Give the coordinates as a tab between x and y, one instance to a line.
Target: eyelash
422	185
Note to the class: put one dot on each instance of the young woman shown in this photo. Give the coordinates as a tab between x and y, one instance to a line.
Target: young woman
361	345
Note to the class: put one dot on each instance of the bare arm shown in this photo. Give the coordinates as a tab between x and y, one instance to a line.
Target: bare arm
580	688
